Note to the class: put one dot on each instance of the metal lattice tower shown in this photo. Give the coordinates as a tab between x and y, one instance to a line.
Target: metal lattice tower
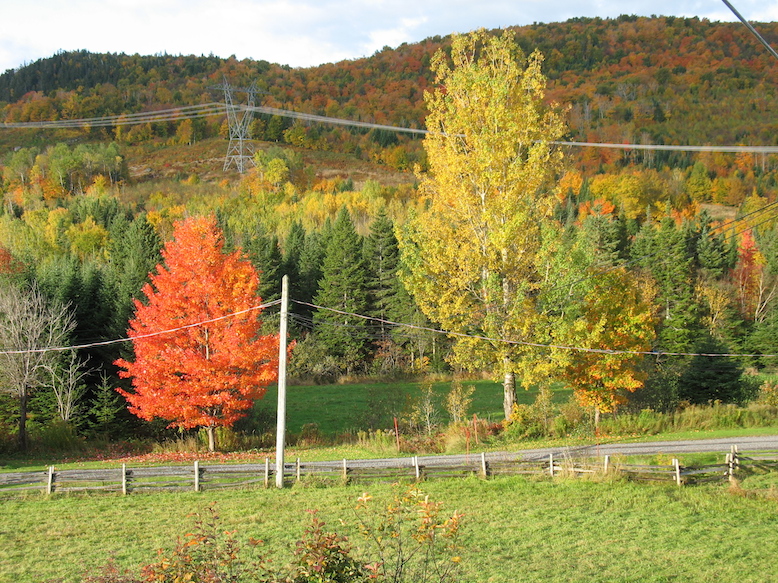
240	151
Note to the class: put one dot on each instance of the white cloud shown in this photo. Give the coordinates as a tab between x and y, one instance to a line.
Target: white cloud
296	32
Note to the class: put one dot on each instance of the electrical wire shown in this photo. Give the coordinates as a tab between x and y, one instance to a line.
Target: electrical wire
309	323
533	344
139	336
163	115
752	29
214	109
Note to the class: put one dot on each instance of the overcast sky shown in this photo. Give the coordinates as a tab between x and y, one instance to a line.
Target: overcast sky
295	32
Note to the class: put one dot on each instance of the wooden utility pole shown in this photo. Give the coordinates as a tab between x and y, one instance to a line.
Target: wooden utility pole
281	420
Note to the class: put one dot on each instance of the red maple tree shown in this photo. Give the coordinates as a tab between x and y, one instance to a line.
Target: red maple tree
200	358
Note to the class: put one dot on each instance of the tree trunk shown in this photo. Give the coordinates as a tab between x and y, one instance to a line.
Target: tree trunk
596	420
509	393
23	421
211	438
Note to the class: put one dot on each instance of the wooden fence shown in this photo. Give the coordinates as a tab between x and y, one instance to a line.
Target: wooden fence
200	477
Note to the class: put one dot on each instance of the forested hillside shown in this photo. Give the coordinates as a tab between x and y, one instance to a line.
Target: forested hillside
635	251
663	80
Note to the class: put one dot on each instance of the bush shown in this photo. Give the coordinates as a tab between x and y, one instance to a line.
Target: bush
58	436
532	421
410	540
768	394
646	422
573	420
325	557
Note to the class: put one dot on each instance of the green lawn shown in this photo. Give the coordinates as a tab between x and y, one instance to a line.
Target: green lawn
515	529
340	408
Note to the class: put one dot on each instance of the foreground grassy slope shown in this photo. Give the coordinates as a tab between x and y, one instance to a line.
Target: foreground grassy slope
516	530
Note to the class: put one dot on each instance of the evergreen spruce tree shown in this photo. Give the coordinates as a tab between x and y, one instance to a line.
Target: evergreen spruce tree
390	300
607	236
344	287
383	256
293	249
310	267
664	252
133	256
712	378
711	249
264	253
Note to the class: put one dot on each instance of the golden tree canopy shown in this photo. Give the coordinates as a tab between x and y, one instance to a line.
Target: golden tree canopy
472	255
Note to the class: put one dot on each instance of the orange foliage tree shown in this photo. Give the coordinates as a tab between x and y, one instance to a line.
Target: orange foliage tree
200	359
752	287
617	323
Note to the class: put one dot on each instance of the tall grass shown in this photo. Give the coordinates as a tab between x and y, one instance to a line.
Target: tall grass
692	418
514	529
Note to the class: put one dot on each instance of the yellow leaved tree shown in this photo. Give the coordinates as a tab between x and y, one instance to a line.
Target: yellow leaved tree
612	329
472	257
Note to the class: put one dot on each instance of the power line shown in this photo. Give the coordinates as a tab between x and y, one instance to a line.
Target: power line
214	109
382	321
529	344
163	115
752	29
671	148
149	335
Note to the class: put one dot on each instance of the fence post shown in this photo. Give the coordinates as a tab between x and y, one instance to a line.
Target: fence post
677	468
416	467
267	472
605	464
484	469
197	476
297	469
50	481
124	479
345	471
551	464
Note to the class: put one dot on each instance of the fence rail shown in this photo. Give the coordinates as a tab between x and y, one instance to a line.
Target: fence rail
199	477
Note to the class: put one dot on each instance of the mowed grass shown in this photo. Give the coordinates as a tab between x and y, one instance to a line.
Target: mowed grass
340	408
515	529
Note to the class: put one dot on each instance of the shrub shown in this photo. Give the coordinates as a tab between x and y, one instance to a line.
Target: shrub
573	419
458	401
532	421
410	540
768	394
58	436
325	557
646	422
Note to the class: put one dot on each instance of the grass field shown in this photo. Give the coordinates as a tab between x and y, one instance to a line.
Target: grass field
340	408
515	529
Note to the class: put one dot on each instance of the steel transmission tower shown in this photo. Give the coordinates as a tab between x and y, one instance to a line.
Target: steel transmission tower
239	152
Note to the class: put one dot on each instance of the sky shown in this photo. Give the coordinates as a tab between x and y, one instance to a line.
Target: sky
299	33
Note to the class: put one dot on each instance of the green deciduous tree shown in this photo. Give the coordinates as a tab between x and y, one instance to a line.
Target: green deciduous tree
472	256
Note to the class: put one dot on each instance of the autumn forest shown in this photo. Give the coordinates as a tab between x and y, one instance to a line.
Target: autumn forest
486	248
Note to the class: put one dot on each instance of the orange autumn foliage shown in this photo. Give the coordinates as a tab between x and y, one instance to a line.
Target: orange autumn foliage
208	370
614	329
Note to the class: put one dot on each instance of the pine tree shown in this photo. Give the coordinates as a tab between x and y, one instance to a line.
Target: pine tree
343	287
382	254
133	255
711	378
664	252
711	249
